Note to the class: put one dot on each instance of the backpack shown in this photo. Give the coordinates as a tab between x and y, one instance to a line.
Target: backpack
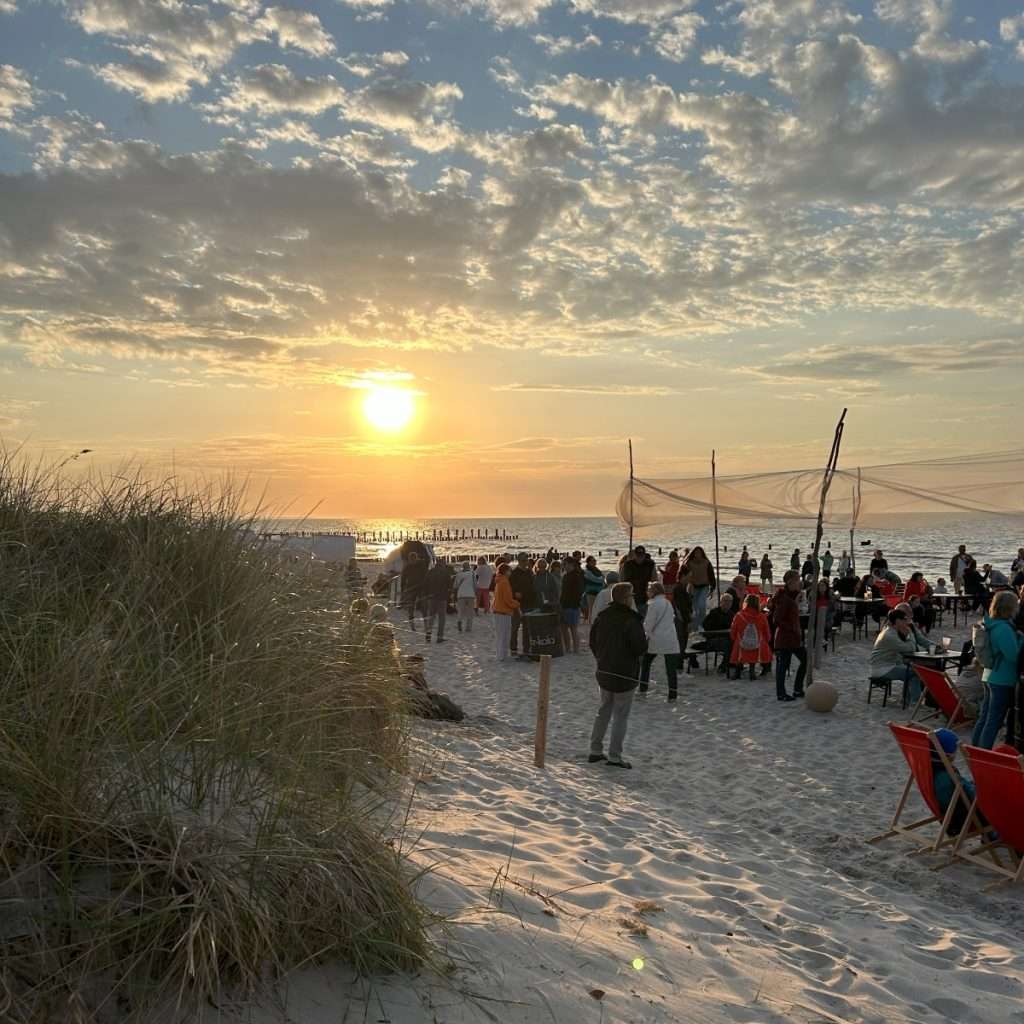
982	645
750	640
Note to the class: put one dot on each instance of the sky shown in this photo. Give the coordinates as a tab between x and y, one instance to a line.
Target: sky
558	223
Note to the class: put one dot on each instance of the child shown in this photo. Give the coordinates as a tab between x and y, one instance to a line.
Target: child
945	784
940	586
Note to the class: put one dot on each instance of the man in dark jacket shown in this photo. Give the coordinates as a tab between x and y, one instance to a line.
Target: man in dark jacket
717	624
789	640
639	569
436	587
618	641
414	572
525	593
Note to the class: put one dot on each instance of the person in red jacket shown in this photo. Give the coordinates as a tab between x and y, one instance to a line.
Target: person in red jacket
751	641
789	640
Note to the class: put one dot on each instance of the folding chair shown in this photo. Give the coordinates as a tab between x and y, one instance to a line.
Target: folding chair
944	692
918	745
999	784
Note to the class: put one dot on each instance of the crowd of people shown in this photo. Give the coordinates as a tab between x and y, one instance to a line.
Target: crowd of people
641	613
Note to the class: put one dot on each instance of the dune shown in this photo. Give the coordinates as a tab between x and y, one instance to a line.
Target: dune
724	879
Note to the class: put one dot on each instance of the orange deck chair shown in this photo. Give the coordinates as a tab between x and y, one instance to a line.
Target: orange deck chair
918	744
999	783
944	692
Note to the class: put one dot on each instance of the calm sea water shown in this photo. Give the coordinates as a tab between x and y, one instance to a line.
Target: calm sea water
923	548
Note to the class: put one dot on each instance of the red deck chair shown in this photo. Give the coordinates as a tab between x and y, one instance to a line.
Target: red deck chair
918	744
891	600
999	783
944	692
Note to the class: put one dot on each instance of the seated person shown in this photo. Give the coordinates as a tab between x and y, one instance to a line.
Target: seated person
945	784
718	621
892	647
916	586
940	587
751	641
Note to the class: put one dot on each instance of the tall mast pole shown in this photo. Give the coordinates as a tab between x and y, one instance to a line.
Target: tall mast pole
714	501
826	482
631	513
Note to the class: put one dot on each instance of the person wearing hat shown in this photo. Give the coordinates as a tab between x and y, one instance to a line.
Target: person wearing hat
945	784
465	597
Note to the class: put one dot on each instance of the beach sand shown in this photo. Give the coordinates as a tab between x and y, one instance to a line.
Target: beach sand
724	879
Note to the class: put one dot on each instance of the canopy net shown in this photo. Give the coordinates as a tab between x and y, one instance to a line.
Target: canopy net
955	487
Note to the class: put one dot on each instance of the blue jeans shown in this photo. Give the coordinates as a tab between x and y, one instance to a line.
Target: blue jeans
909	678
700	606
994	704
782	660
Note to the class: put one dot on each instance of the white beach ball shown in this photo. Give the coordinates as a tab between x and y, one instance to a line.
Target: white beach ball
821	696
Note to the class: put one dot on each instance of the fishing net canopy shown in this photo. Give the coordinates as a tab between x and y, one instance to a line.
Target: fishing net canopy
898	494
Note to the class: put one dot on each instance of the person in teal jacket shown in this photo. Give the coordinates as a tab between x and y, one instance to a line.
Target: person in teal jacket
1001	679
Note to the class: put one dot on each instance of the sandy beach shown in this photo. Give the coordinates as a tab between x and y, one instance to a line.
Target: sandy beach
724	879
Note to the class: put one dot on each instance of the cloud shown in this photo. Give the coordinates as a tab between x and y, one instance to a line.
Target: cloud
1012	30
16	93
8	7
608	390
418	110
299	30
555	46
274	88
174	45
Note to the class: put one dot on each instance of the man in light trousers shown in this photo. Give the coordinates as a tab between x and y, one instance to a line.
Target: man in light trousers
618	641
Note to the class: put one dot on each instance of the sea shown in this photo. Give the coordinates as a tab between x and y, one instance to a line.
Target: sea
927	549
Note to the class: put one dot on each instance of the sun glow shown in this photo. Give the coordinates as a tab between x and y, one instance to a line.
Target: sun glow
389	409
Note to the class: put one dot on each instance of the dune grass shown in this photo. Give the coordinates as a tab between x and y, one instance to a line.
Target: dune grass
198	751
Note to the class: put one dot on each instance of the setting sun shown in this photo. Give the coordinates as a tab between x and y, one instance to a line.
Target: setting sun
389	409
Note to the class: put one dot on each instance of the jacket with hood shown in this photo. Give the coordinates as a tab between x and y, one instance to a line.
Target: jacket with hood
573	585
504	602
594	580
618	641
545	587
762	654
1005	643
522	584
660	626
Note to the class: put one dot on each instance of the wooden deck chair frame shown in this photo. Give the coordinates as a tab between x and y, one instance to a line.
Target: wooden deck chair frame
986	851
972	826
958	716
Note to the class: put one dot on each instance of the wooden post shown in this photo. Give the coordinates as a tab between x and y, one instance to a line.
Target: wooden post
714	499
826	483
540	743
631	513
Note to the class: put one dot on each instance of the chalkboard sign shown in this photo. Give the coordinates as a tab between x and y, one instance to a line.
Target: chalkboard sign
545	634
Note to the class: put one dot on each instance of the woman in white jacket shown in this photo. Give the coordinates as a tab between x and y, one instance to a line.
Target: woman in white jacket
662	638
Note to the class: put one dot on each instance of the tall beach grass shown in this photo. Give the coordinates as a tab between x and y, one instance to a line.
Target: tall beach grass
198	750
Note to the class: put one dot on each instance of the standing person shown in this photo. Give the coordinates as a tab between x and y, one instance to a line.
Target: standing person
618	641
700	574
766	570
1017	569
826	563
437	586
484	578
823	619
639	569
545	586
662	639
974	586
744	565
878	563
604	598
1000	678
807	569
957	567
465	597
670	574
593	580
555	568
682	599
751	641
526	597
414	572
505	606
573	586
794	560
845	563
789	641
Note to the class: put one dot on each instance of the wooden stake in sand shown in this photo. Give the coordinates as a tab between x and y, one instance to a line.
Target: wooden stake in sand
540	743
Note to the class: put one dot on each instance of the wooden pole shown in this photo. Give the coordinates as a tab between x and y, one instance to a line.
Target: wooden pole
631	514
714	501
540	743
826	482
